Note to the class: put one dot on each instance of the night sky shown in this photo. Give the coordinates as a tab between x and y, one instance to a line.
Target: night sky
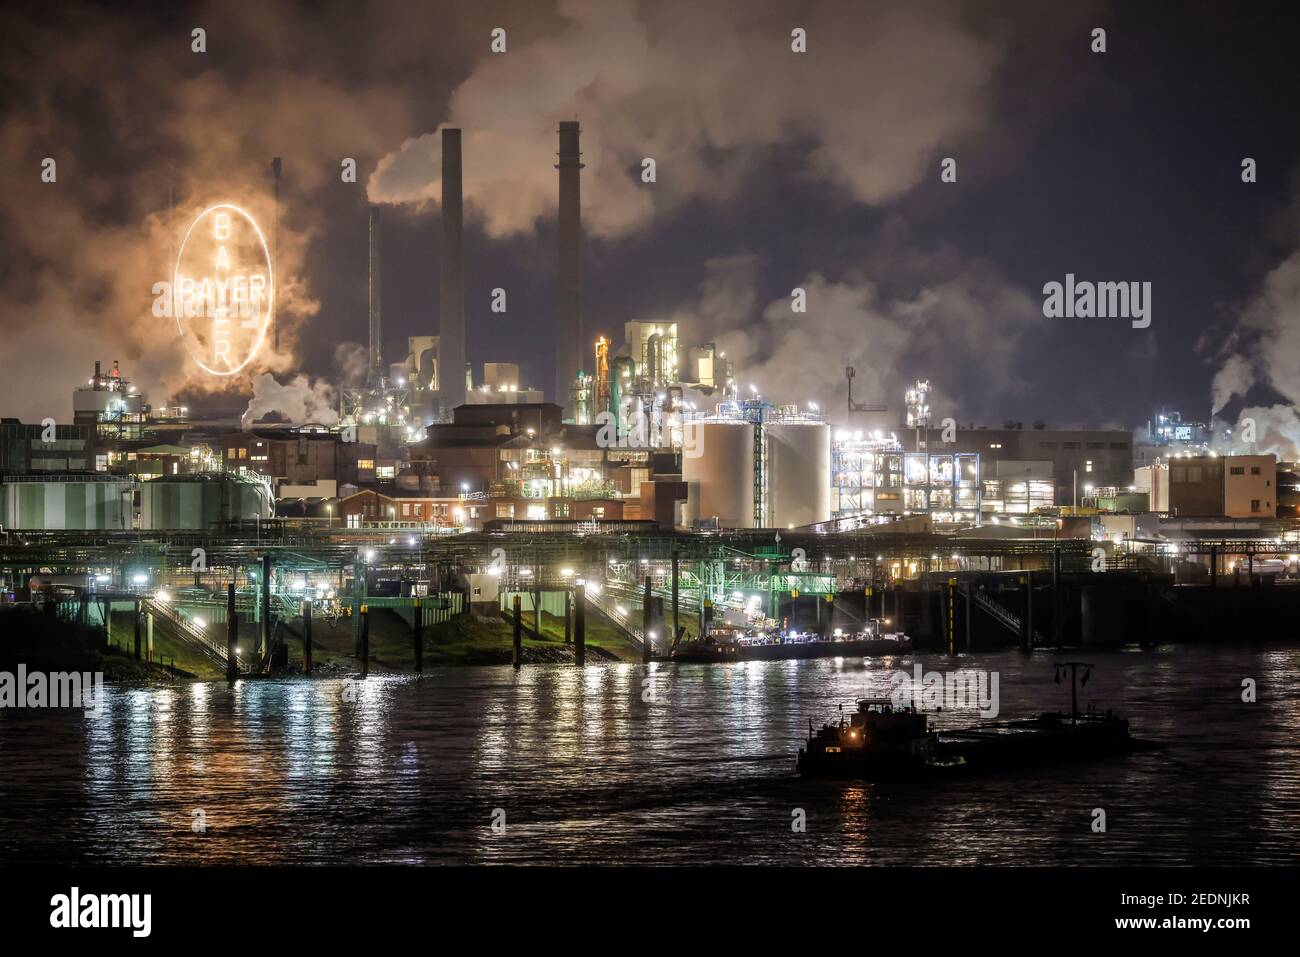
775	170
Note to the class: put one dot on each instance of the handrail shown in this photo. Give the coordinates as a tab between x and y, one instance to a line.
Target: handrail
189	631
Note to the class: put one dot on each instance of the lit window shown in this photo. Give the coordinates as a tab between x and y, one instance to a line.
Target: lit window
365	464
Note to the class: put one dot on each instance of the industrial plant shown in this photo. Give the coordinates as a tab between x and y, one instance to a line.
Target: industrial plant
645	481
600	433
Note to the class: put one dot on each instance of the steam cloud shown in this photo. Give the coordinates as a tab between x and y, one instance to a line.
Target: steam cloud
708	93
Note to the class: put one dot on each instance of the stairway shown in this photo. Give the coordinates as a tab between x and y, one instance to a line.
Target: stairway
186	631
1003	615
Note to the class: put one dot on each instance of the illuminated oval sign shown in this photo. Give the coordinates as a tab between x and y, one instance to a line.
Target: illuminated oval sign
222	289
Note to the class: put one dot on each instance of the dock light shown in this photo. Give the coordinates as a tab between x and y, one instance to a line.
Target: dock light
139	579
494	570
103	578
566	572
526	572
411	541
650	635
199	622
370	554
621	610
839	632
163	596
645	561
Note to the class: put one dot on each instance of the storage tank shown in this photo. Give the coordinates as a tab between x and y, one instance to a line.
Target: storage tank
798	473
202	501
68	503
719	475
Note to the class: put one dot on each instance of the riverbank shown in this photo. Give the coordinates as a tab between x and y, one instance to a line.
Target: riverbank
47	643
468	639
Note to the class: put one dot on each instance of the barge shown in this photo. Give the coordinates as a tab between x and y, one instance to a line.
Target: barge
880	741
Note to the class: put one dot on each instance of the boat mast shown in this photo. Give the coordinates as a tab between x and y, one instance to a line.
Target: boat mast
1074	667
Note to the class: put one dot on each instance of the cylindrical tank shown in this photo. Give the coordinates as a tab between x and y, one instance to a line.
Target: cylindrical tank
74	504
201	502
798	473
719	472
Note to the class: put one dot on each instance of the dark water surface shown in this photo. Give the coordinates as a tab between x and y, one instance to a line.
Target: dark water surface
585	771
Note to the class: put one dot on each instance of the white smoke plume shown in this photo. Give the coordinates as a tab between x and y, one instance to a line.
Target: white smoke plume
708	92
1264	351
300	401
890	339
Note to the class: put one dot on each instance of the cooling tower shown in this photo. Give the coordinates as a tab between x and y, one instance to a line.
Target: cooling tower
569	339
451	286
798	473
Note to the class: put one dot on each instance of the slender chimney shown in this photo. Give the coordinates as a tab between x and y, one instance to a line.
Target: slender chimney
376	319
569	339
451	288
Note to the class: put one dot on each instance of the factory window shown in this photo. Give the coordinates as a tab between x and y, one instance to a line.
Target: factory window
1254	505
561	509
1087	466
1047	445
365	464
1193	473
598	511
386	471
243	453
1237	470
1096	445
505	511
1254	470
995	445
1119	446
354	520
406	509
1178	475
232	453
1069	445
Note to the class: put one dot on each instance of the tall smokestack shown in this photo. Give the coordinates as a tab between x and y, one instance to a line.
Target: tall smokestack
376	320
451	288
569	339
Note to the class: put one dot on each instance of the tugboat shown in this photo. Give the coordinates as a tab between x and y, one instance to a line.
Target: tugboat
881	741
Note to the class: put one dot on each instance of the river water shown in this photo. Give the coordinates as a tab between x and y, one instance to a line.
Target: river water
579	767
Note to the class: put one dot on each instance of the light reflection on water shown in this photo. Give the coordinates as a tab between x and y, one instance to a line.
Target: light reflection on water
643	764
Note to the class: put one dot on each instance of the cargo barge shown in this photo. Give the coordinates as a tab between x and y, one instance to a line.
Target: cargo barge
881	741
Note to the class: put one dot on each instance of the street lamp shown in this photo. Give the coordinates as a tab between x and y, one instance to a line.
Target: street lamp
329	513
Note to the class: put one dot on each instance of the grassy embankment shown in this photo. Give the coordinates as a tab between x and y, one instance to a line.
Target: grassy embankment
468	639
45	643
